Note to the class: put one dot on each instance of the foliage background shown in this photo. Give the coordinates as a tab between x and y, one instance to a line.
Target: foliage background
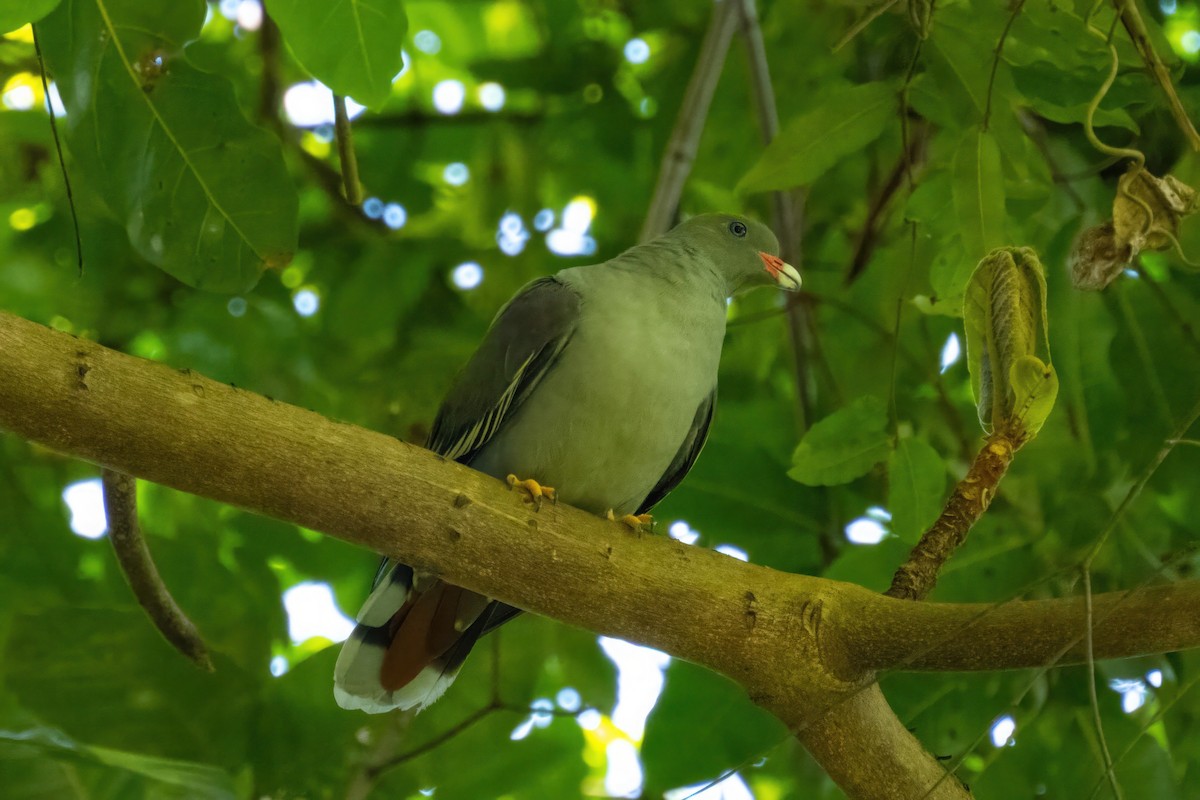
94	704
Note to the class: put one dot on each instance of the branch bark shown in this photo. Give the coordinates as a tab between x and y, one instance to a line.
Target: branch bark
141	573
681	149
803	647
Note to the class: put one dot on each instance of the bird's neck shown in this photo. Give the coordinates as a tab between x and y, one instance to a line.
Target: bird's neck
681	267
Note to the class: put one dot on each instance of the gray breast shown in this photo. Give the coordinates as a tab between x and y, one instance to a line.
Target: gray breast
605	424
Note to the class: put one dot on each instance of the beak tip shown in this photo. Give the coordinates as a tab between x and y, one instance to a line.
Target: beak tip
785	275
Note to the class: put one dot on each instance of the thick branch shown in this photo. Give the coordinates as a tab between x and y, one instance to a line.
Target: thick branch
800	645
1020	634
837	739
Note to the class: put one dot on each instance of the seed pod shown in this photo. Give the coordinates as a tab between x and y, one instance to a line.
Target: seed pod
1098	258
1147	210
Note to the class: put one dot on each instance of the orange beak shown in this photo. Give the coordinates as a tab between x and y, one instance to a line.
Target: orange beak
783	273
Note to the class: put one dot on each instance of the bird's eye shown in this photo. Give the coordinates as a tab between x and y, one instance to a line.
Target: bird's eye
738	229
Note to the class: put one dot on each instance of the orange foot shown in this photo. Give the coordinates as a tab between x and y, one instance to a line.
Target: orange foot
635	522
534	492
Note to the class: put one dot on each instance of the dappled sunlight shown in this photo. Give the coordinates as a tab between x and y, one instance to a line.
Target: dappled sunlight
312	611
85	500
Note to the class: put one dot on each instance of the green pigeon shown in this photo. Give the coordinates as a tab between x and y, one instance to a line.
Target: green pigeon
599	381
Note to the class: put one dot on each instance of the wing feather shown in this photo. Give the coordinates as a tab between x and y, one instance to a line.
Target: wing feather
689	451
524	341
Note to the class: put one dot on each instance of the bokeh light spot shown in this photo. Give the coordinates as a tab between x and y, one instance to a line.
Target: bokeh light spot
637	51
467	276
306	302
448	96
491	96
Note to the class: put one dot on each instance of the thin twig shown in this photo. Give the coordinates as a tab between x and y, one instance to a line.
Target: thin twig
1095	701
1036	131
1135	26
62	164
1038	674
345	145
685	138
987	106
120	505
1176	437
417	118
893	412
870	16
269	82
363	783
1150	723
1185	327
880	205
904	132
786	213
375	771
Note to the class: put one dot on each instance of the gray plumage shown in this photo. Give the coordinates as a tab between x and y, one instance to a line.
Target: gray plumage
599	381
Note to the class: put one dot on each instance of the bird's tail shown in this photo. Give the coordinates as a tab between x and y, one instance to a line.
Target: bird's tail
413	634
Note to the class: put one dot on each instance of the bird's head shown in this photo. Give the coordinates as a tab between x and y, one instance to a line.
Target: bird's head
745	252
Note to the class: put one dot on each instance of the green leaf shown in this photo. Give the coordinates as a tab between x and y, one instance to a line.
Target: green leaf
842	446
201	192
1035	387
812	143
352	46
979	193
17	14
73	666
201	781
916	483
702	725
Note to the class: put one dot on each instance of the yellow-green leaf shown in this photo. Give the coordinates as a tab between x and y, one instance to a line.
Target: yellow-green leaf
979	193
201	192
844	445
916	483
352	46
1035	387
812	143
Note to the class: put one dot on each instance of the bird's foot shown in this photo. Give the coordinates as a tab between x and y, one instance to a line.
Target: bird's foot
635	522
534	492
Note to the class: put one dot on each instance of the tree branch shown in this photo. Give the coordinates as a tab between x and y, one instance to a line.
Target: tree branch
120	507
803	647
1135	26
1023	633
917	576
681	149
786	212
345	147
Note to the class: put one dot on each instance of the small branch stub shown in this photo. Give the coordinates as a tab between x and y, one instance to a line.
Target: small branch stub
918	575
120	505
1004	314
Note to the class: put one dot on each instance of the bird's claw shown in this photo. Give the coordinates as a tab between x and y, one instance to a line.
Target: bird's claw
635	522
534	492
